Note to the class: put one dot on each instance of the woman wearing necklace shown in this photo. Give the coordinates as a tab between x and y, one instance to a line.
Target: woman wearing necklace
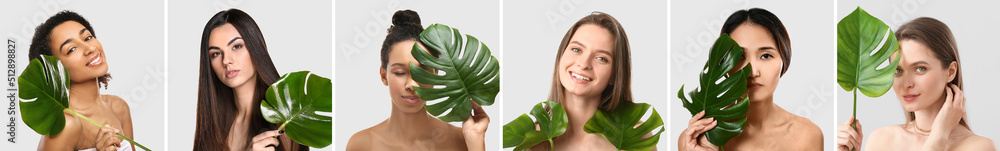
928	84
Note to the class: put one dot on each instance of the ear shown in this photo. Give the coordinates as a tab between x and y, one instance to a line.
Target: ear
381	72
952	71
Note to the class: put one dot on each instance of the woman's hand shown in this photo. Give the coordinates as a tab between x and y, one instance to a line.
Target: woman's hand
106	139
692	140
474	128
947	119
847	137
266	141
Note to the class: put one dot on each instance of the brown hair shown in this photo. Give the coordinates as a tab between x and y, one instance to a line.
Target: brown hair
937	36
216	105
621	76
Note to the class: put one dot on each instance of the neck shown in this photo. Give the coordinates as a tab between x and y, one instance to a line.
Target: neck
924	119
759	111
410	126
244	98
84	93
579	109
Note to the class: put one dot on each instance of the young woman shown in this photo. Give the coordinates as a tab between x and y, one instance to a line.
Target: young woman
767	48
409	126
928	84
69	36
234	74
592	71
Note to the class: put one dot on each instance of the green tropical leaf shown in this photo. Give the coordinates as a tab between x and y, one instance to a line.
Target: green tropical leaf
44	94
619	126
469	73
858	35
298	101
521	133
717	98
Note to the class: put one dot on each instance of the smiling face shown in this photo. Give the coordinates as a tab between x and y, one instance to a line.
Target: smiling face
230	57
79	51
585	66
920	78
396	75
761	52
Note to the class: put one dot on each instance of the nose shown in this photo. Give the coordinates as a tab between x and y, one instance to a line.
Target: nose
410	83
907	81
754	70
227	59
584	62
88	49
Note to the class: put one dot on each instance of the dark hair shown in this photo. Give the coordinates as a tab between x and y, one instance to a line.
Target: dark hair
937	36
40	41
405	26
216	105
770	22
621	76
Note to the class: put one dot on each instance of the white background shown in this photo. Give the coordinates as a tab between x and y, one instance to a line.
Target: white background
361	99
133	45
534	29
298	38
807	87
974	32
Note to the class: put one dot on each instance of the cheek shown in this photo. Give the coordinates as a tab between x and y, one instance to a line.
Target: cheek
603	71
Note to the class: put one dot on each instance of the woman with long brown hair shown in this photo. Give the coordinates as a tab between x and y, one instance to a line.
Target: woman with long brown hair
234	73
928	84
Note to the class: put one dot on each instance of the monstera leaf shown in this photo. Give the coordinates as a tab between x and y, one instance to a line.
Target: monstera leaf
717	98
522	134
619	126
858	35
296	100
44	94
469	73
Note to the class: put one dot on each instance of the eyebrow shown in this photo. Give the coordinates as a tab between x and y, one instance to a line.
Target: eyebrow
578	43
604	52
919	62
70	39
234	39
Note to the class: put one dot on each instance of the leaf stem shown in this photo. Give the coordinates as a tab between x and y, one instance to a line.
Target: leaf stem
552	146
102	126
855	113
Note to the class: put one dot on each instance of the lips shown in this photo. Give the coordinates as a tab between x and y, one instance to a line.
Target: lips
96	60
579	78
232	73
411	99
910	97
754	85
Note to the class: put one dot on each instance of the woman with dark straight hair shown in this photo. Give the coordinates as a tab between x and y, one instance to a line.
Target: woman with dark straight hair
235	70
928	84
69	36
767	48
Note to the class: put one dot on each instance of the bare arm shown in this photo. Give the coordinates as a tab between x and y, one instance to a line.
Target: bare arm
121	109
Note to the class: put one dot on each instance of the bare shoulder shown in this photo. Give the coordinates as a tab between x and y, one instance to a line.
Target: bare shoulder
882	138
67	139
117	104
362	140
808	133
976	142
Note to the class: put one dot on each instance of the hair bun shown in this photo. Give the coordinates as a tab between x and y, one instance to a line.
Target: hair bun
406	18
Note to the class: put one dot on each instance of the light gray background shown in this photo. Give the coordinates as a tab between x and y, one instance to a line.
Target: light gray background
973	30
534	29
361	99
132	37
807	87
298	38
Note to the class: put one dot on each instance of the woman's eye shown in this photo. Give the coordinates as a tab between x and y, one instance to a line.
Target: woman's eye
602	59
71	50
921	69
215	54
766	56
576	50
237	47
399	73
899	71
88	38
